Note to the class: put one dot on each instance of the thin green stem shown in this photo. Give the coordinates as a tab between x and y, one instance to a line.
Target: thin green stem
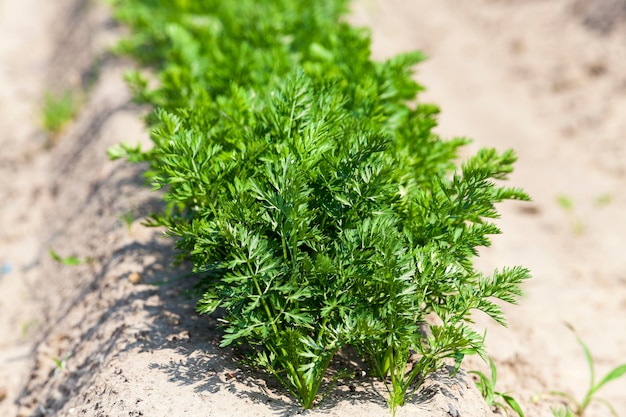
268	310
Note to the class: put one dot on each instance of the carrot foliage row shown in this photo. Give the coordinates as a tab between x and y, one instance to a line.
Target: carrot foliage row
318	206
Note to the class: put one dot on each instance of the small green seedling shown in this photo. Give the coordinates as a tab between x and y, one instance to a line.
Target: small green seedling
61	363
562	412
603	200
565	202
26	328
69	261
577	409
128	218
487	388
58	110
568	205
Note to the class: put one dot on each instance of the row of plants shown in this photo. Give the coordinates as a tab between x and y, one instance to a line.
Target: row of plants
318	206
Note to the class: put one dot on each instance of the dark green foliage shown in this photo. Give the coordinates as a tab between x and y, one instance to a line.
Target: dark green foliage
320	208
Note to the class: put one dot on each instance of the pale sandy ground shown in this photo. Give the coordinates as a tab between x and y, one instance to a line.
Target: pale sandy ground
540	77
547	78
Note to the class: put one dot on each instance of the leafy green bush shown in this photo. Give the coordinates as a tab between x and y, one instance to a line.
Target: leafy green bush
320	209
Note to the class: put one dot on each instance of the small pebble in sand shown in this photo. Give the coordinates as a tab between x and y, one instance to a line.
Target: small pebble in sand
134	278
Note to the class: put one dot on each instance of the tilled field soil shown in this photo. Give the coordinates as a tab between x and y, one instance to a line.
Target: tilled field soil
117	335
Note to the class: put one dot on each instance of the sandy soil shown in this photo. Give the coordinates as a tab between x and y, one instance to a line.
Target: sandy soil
547	78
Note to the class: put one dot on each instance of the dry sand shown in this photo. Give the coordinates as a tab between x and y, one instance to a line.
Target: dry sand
547	78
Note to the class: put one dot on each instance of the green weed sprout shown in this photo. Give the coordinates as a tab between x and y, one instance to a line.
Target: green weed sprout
58	110
577	409
68	261
565	202
61	363
487	388
128	218
603	200
568	206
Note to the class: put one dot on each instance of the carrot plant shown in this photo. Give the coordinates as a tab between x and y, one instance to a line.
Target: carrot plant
318	207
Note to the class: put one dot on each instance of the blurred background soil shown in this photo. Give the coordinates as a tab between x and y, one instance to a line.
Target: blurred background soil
111	335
